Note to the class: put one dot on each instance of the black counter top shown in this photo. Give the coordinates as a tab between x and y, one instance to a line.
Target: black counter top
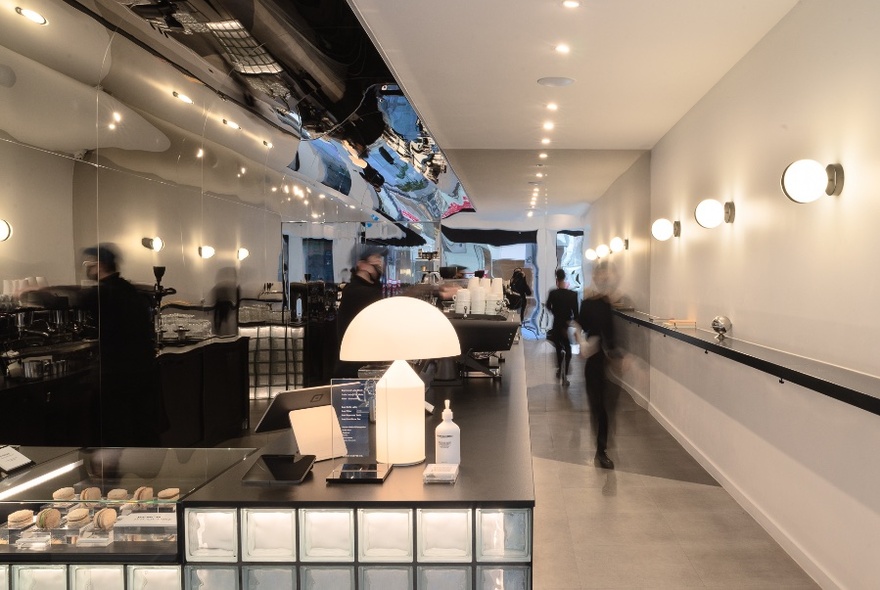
851	387
496	464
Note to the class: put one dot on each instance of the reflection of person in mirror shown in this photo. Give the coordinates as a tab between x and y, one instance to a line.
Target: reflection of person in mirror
130	411
365	288
226	295
520	286
595	319
562	303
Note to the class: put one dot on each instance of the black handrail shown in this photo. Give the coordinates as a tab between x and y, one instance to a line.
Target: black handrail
851	387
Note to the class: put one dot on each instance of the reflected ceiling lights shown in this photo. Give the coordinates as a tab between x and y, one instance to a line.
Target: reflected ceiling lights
34	17
543	155
552	106
206	251
232	124
548	125
242	253
182	97
555	81
562	48
545	140
571	3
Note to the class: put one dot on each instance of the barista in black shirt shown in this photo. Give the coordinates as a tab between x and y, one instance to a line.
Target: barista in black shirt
365	288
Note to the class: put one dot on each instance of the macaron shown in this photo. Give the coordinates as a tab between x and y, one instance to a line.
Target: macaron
105	519
49	518
169	494
143	493
117	494
78	517
64	494
20	519
90	494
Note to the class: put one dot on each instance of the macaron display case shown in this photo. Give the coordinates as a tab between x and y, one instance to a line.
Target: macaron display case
103	500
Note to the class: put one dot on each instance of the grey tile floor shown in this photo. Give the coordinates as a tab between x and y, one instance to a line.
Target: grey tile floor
657	521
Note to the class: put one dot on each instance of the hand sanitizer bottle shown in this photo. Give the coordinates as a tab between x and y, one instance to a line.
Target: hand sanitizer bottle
447	440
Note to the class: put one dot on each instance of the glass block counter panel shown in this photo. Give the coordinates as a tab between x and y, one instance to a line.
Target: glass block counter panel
444	535
444	578
326	535
268	535
504	534
44	577
316	577
153	577
96	577
206	577
211	534
391	577
385	535
274	578
507	577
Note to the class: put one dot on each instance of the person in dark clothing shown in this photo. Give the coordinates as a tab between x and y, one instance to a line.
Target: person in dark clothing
520	286
562	303
595	319
365	288
130	411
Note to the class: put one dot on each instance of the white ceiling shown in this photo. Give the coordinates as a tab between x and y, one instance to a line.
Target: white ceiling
470	68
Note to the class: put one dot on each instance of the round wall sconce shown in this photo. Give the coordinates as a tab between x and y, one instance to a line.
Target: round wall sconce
663	229
618	244
590	254
242	253
206	251
805	181
711	213
602	250
155	244
5	230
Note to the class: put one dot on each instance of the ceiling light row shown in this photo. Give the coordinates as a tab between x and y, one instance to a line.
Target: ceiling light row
617	244
228	122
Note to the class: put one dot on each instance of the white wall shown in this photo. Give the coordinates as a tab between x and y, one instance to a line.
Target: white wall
800	278
36	199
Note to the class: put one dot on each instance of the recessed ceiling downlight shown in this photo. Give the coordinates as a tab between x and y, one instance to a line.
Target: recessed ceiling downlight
555	81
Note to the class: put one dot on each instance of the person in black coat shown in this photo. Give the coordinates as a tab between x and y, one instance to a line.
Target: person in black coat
562	303
595	319
130	409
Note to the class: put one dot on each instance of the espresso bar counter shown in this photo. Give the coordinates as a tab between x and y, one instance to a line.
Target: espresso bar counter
495	452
